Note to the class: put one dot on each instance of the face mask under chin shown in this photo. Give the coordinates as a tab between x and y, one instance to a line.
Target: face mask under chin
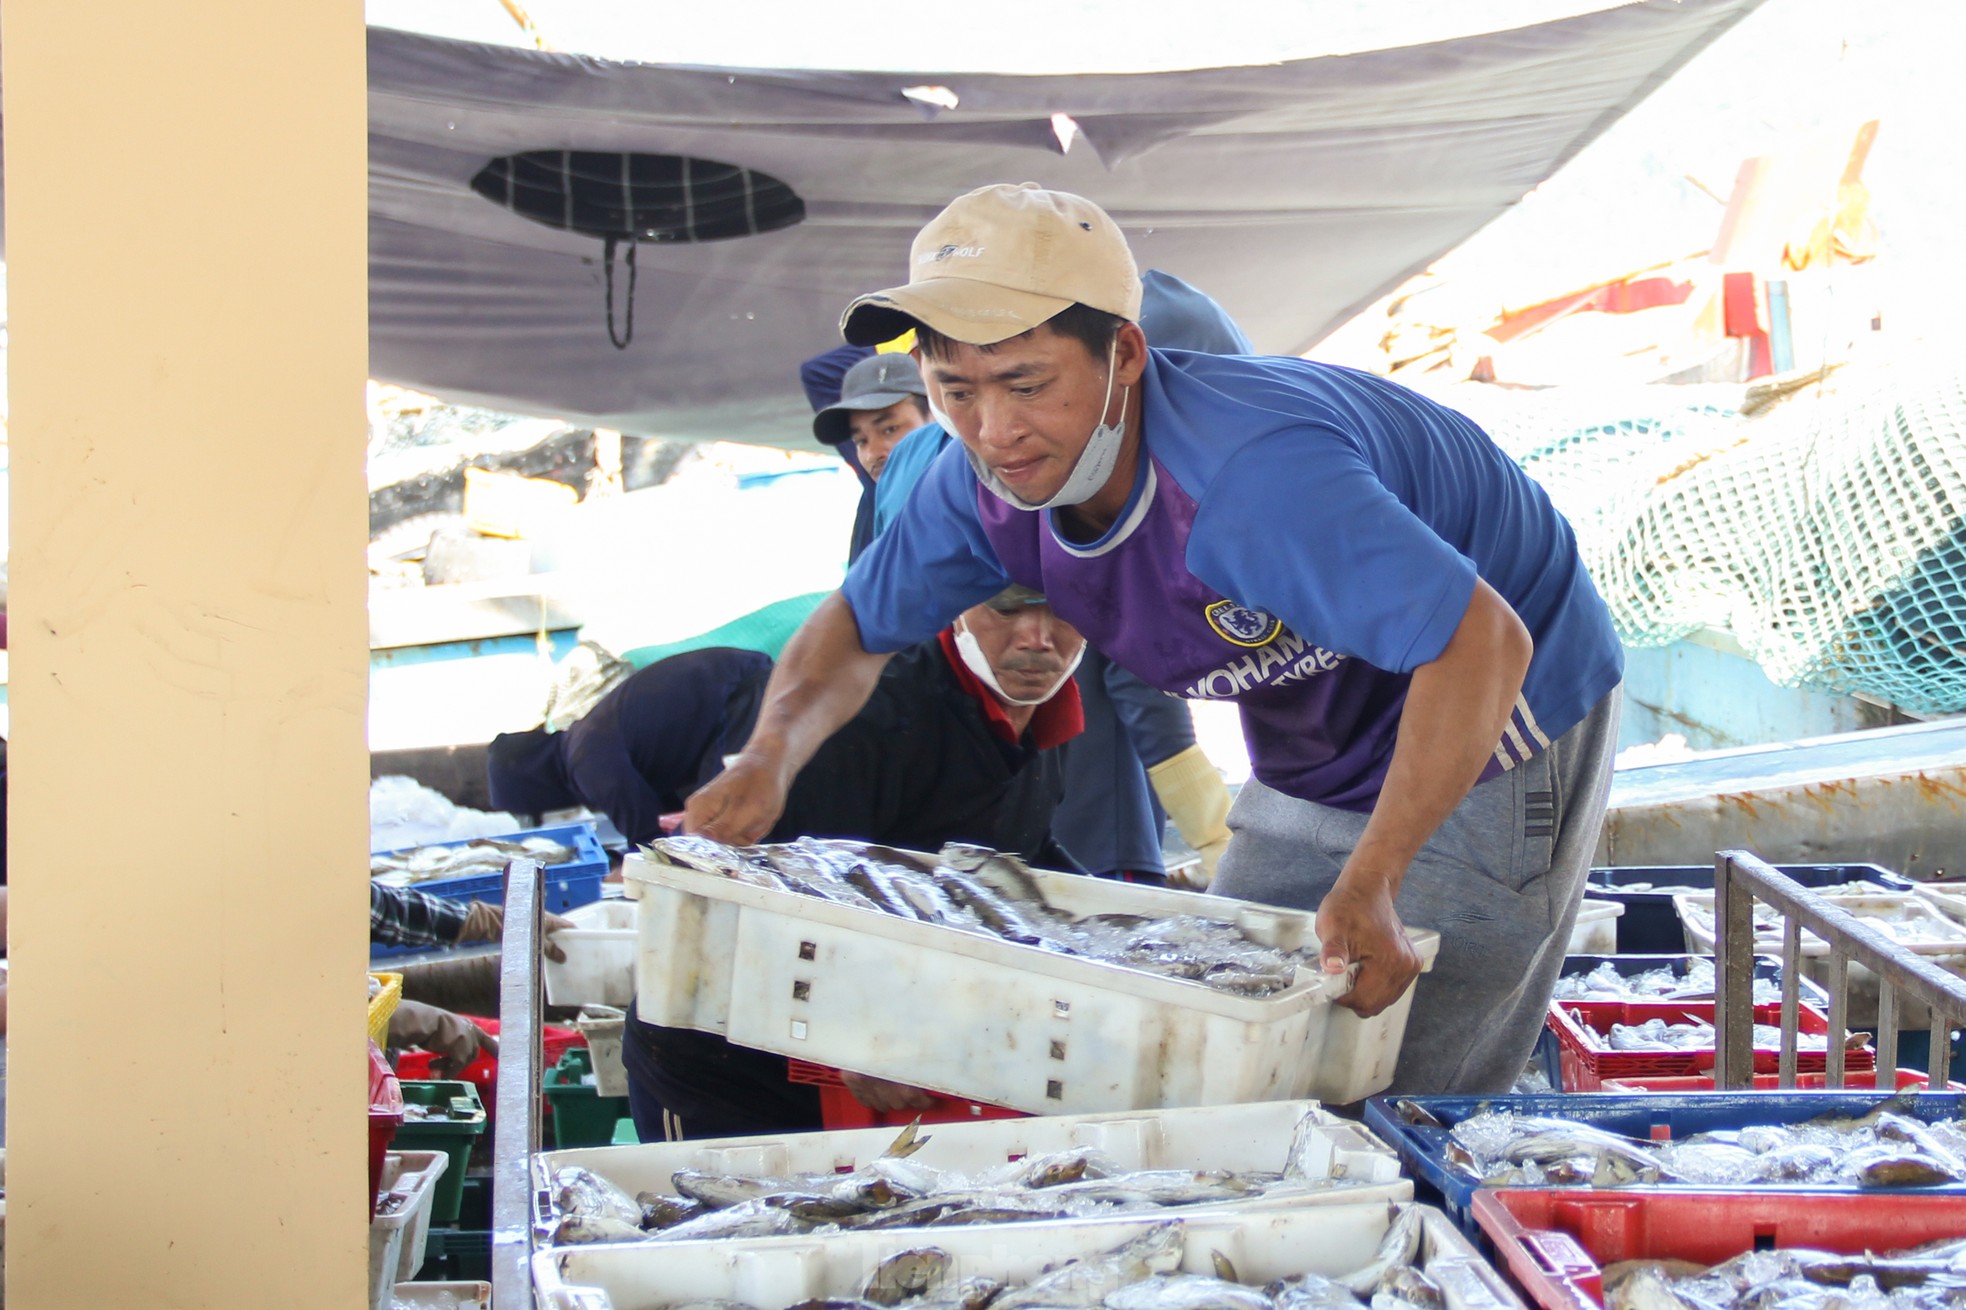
1095	463
972	656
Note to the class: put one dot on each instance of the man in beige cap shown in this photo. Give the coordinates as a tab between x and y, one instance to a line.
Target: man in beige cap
1428	680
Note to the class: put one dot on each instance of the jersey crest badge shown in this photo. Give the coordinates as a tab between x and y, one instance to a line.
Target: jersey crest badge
1242	626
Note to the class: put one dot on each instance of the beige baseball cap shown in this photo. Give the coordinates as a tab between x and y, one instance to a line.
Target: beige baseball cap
1000	261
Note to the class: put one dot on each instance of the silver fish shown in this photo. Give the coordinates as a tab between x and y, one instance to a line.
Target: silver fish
1398	1247
485	854
583	1193
824	887
1644	1289
699	853
912	1214
998	1214
1056	1168
1090	1281
817	1209
976	890
872	851
907	1274
934	905
1009	876
719	1191
1187	1292
1898	1103
1888	1166
1892	1127
1695	1161
1409	1286
1880	1148
1797	1163
1560	1141
1312	1292
663	1211
991	910
1163	1187
586	1229
970	1294
874	882
751	1219
1796	1279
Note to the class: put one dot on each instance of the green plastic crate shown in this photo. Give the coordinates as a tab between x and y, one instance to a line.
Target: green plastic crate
456	1255
461	1124
581	1115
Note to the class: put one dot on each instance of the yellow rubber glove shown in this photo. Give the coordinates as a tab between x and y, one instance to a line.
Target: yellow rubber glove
1195	797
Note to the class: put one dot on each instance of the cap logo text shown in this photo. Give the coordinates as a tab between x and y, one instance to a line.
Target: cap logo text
951	252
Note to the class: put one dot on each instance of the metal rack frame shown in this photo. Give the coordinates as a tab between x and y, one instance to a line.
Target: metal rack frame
1739	880
515	1134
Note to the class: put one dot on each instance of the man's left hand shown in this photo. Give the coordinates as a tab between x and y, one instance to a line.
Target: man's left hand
484	922
1356	924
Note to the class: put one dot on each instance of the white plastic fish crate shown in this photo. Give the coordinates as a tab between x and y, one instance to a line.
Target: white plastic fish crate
1906	917
1238	1138
441	1296
600	950
1596	929
971	1016
776	1272
603	1026
1948	898
396	1239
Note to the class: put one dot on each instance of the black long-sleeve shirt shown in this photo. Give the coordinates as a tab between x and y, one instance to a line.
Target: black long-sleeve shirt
926	761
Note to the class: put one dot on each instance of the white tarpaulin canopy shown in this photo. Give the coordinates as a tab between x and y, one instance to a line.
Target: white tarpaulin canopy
1295	193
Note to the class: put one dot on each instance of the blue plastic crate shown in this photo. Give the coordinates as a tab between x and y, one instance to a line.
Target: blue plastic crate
564	886
1765	966
1657	1117
1650	922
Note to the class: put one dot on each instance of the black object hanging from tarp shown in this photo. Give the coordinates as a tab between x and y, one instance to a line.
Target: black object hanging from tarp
625	198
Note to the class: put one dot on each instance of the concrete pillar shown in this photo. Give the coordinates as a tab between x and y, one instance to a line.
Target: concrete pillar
185	209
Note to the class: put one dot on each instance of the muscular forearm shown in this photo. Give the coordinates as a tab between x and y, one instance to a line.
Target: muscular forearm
820	682
1455	711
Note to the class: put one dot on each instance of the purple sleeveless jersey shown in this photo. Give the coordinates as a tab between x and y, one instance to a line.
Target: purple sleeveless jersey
1299	539
1316	722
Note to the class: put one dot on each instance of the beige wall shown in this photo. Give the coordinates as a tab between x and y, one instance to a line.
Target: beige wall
185	203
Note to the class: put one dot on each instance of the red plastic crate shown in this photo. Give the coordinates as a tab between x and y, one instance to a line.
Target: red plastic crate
385	1117
1555	1242
1768	1082
1585	1057
838	1108
482	1072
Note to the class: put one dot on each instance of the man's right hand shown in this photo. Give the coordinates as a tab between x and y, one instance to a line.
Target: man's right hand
739	805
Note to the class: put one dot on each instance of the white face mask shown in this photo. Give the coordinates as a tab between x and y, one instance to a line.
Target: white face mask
972	652
1095	464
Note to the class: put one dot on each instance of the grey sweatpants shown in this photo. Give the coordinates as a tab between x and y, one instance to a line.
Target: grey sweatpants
1500	882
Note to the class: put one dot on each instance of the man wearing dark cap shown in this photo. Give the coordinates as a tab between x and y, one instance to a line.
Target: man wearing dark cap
882	400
